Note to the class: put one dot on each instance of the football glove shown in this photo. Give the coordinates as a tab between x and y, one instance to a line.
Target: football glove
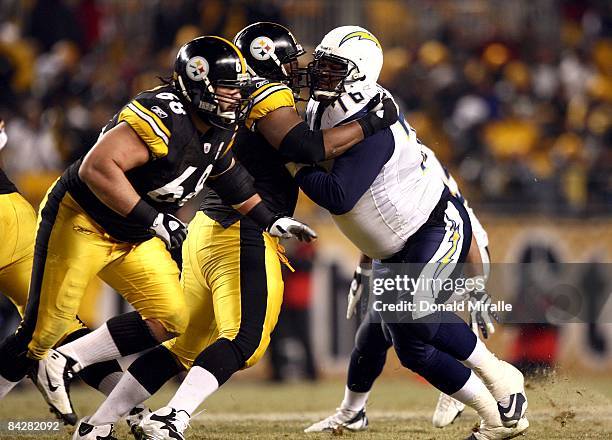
372	123
360	277
170	229
288	227
481	315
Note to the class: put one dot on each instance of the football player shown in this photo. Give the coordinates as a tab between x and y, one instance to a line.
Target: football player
382	197
371	345
115	213
231	271
18	223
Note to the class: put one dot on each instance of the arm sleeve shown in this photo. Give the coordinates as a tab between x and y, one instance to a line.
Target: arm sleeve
234	184
352	174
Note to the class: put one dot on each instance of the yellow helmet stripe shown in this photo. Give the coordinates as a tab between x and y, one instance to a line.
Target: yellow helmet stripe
243	63
361	35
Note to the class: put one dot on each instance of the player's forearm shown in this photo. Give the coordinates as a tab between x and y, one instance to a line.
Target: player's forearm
110	185
338	140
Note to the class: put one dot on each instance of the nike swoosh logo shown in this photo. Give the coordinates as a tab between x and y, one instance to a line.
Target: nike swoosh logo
514	409
51	387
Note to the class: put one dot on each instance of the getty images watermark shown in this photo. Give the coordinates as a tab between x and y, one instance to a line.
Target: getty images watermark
519	293
407	286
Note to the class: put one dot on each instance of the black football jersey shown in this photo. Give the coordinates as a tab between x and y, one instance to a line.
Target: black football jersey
6	186
272	181
181	160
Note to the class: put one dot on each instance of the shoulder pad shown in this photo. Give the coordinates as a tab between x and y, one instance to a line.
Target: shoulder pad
152	115
267	98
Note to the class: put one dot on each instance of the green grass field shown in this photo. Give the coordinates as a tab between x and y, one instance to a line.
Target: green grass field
559	408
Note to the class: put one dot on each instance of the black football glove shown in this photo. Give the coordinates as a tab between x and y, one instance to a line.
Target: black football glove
372	123
481	315
170	229
288	227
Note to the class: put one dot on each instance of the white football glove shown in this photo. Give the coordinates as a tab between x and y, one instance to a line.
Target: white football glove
3	136
170	229
288	227
482	319
360	277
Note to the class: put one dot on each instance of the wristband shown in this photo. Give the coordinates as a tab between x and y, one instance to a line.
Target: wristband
261	215
143	214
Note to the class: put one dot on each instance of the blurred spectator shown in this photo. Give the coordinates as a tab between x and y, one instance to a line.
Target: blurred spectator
291	344
515	97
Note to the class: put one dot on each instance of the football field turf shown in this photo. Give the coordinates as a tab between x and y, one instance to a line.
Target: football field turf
559	408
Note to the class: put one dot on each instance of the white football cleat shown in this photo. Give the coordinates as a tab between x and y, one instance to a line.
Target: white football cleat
484	432
85	431
52	377
447	410
134	417
164	424
341	419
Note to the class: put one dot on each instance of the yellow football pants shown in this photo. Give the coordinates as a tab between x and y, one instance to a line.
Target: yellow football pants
233	289
17	228
71	249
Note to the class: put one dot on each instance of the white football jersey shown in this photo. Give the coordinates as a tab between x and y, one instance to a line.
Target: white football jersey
404	192
482	239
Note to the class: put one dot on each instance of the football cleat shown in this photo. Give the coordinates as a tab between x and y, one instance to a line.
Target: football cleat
164	424
134	417
52	377
341	419
447	410
85	431
484	432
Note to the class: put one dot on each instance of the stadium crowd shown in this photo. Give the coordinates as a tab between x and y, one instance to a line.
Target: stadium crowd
525	123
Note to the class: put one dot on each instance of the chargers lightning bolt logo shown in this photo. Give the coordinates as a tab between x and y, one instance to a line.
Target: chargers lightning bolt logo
360	35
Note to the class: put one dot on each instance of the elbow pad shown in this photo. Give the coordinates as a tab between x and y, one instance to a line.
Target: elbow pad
303	145
233	186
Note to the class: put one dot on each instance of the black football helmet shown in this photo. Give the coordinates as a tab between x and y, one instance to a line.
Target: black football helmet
202	65
267	47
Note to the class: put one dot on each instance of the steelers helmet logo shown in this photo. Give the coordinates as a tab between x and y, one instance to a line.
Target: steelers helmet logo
262	48
197	68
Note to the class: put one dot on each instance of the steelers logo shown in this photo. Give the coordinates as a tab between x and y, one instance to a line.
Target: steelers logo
197	68
262	48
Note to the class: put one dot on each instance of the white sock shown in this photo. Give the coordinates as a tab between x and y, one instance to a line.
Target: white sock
126	395
354	401
484	363
97	346
110	382
6	386
476	395
196	387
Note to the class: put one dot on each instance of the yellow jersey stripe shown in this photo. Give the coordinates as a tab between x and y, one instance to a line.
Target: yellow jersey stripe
156	144
156	120
270	90
266	87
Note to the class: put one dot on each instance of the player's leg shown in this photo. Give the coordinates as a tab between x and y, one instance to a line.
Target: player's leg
18	220
367	361
154	368
148	278
241	266
444	330
65	238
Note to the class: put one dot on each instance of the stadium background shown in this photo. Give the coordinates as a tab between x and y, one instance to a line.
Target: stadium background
515	97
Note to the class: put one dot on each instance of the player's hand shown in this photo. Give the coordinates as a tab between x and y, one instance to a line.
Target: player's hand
372	123
170	229
482	317
360	277
288	227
